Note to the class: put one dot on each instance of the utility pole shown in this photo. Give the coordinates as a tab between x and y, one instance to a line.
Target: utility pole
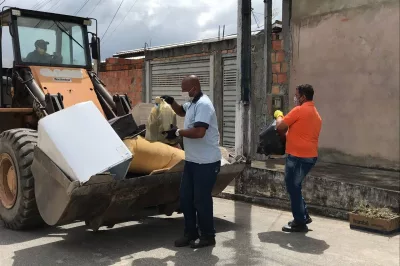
287	41
242	129
267	46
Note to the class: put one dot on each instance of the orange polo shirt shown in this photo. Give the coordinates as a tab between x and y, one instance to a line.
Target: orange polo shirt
304	128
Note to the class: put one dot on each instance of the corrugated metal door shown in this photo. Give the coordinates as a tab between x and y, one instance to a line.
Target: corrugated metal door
229	99
166	77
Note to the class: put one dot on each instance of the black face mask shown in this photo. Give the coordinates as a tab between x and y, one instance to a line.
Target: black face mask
297	102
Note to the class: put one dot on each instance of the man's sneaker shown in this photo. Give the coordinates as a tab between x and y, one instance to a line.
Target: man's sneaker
308	220
204	241
294	227
184	241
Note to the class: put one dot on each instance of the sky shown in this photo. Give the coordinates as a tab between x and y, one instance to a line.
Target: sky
155	22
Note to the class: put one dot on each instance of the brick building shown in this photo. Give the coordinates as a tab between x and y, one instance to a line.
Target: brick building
123	76
279	65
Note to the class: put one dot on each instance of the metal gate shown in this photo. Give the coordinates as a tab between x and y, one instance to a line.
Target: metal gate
229	100
166	77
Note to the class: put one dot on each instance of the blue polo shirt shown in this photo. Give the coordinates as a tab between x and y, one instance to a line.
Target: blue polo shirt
201	113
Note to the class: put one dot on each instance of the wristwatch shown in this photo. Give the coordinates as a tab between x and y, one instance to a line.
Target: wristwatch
177	132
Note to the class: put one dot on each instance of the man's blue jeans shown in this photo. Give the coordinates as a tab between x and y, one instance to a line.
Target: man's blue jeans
296	169
196	197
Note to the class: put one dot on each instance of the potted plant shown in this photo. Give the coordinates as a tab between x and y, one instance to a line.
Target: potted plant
380	220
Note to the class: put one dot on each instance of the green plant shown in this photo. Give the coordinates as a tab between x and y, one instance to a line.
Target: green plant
368	211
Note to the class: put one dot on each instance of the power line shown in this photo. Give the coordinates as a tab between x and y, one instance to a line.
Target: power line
43	4
84	4
38	3
33	6
122	20
58	1
112	19
275	12
57	7
255	19
95	7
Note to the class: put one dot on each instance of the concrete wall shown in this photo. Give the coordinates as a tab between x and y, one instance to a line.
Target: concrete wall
327	190
258	110
123	76
307	8
349	52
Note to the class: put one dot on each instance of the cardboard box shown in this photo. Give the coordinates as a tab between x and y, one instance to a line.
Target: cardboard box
374	224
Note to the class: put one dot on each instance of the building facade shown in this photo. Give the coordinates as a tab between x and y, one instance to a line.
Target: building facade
349	51
213	61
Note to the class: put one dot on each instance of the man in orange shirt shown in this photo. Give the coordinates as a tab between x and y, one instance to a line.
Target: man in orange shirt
301	128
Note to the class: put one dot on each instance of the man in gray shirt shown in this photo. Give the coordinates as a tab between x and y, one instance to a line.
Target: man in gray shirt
202	163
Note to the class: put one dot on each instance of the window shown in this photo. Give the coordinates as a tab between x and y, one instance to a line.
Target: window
7	48
78	53
49	42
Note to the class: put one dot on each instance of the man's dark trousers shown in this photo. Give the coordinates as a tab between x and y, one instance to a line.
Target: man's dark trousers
296	169
196	198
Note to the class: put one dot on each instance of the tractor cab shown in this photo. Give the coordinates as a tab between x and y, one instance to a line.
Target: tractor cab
44	45
51	68
46	39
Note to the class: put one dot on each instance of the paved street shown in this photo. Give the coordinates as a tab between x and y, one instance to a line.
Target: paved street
247	235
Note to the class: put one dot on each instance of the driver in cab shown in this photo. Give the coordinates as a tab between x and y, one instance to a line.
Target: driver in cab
40	55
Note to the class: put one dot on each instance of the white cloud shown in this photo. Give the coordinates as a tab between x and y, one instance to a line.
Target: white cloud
162	22
205	17
213	10
154	7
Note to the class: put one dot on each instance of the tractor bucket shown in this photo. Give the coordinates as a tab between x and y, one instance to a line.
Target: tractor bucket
102	200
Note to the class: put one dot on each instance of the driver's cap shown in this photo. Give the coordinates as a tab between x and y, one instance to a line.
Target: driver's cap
41	44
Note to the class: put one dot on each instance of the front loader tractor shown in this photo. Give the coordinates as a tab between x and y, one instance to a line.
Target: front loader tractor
52	70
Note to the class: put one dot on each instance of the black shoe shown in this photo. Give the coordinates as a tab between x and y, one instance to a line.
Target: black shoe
308	220
295	227
203	242
184	241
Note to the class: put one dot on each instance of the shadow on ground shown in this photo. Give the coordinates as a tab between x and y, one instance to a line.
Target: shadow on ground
245	253
298	242
182	257
79	246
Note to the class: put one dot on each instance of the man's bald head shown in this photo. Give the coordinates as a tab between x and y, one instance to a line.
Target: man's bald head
191	84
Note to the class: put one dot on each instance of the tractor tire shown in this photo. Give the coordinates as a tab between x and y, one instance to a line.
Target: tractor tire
18	208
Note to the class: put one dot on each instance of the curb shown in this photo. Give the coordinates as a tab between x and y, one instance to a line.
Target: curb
280	204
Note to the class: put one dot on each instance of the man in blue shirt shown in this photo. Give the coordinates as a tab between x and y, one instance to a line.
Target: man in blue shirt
202	162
